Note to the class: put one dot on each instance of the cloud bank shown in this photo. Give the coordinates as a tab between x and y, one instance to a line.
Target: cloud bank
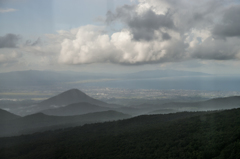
152	31
9	41
93	45
9	58
158	31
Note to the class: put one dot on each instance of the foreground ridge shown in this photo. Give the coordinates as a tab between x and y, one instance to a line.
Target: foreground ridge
180	135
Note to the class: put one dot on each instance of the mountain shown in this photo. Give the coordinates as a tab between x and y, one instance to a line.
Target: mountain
40	118
36	78
163	111
70	97
171	107
5	115
223	103
66	98
133	111
63	99
212	104
102	116
40	122
203	135
31	78
43	78
75	109
162	73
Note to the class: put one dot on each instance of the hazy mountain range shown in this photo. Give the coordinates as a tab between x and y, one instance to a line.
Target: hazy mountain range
41	122
53	81
74	107
75	102
46	78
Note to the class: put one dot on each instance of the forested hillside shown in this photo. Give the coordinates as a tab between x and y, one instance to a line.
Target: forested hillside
181	135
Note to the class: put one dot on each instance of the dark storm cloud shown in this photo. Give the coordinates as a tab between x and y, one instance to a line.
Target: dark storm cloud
151	21
166	36
123	13
230	25
9	41
217	49
142	26
148	23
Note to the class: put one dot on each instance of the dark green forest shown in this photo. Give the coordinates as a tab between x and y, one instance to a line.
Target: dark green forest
193	135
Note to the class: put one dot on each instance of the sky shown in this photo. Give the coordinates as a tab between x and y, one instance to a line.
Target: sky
120	35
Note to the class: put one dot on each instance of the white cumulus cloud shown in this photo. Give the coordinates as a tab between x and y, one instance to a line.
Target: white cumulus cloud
157	31
92	45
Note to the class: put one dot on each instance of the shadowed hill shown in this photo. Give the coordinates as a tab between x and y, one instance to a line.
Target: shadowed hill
5	115
75	109
212	104
41	122
181	135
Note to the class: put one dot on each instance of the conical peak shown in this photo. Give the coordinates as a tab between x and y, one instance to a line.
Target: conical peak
74	92
69	97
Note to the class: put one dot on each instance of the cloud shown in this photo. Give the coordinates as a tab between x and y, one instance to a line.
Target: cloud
7	10
142	25
8	58
9	41
93	45
217	49
158	31
39	52
230	24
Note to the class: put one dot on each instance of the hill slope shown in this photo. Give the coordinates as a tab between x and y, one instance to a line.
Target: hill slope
205	136
5	115
212	104
41	122
75	109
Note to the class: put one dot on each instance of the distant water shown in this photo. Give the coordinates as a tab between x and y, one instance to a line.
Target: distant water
208	83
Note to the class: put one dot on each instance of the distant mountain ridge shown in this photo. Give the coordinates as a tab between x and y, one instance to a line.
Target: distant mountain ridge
163	73
212	104
75	102
47	77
